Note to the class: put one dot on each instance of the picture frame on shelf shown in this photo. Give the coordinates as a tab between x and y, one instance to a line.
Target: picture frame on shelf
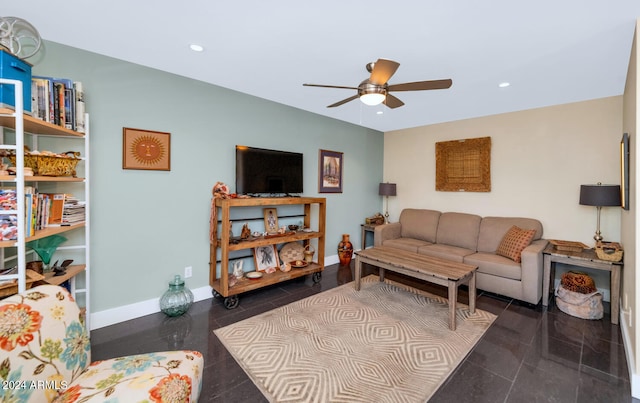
266	257
330	171
146	149
270	220
624	171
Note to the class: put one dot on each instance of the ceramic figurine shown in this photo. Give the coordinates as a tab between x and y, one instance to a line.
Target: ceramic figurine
237	269
246	232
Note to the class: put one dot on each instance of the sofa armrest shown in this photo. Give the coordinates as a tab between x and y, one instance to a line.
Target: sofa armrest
532	266
386	231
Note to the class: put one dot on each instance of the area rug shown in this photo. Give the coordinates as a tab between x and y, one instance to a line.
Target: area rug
385	343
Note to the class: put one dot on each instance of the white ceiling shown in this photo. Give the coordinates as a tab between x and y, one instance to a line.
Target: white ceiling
551	51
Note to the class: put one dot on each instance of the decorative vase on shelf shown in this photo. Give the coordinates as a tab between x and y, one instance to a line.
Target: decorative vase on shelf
45	248
345	250
177	299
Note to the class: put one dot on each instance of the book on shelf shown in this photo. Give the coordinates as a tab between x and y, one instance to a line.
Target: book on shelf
57	100
8	199
55	202
73	213
9	227
79	106
40	99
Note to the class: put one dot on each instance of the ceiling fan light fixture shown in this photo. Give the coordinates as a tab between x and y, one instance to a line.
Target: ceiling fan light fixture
372	99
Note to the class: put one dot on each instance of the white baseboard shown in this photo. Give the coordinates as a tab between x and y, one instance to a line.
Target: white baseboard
132	311
634	377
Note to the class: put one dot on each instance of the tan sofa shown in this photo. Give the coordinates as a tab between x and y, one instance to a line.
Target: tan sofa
472	239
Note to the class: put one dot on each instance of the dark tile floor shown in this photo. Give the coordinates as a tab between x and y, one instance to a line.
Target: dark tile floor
529	354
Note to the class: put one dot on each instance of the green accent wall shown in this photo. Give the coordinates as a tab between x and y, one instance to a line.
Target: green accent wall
147	226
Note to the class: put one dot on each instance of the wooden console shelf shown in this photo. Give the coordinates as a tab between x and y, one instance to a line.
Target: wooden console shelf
224	242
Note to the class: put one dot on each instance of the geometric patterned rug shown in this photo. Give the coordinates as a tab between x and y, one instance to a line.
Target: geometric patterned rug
385	343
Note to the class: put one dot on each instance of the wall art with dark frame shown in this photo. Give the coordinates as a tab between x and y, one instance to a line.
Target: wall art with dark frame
146	149
624	171
330	171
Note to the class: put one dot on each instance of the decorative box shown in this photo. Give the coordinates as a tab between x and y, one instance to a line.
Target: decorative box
13	68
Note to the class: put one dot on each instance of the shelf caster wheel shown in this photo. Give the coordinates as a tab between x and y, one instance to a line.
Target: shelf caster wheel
215	294
317	276
231	302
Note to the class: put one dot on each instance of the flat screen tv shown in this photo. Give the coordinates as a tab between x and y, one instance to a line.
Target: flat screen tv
262	171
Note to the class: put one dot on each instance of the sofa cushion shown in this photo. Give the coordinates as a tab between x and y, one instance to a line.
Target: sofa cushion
459	229
408	244
514	241
419	224
453	253
490	263
493	229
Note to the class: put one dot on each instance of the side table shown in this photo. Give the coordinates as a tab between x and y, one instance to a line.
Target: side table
367	228
588	259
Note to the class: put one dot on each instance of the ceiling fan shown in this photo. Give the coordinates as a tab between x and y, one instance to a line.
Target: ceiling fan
375	89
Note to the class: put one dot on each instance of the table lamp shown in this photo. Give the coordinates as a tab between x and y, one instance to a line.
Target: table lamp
599	195
386	190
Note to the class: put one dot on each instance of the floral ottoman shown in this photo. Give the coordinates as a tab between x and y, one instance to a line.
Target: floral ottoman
45	355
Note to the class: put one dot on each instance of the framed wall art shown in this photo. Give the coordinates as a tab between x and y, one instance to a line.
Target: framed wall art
330	171
265	257
624	171
464	165
146	149
270	220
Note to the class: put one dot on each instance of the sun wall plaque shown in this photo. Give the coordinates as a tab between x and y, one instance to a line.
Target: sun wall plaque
146	149
464	165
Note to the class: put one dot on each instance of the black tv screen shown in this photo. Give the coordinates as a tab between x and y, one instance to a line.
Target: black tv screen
259	170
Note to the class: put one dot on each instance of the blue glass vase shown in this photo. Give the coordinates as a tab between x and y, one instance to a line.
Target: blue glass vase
177	299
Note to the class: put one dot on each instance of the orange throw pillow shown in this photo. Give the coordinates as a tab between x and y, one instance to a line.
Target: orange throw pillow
514	241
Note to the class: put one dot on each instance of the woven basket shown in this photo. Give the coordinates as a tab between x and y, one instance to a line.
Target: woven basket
609	251
291	252
11	287
48	165
578	282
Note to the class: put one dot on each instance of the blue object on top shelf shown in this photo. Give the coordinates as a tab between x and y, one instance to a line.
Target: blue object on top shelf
14	68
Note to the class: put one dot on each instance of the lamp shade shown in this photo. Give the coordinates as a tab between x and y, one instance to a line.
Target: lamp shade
387	189
372	99
600	195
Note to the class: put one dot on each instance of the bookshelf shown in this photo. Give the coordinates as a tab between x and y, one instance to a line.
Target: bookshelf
15	128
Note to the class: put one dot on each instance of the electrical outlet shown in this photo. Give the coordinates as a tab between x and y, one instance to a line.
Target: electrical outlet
188	272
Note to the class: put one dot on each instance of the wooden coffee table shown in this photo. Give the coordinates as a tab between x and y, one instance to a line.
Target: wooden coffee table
434	270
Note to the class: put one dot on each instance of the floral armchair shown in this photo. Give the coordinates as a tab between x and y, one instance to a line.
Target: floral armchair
45	355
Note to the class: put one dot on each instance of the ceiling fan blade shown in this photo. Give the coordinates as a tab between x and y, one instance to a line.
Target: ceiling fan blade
344	101
330	86
382	71
422	85
392	102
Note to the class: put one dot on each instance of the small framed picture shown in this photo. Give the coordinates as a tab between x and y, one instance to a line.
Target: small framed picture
146	149
624	171
270	220
266	257
330	171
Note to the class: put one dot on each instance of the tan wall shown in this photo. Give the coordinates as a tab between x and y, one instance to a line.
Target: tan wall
539	159
629	228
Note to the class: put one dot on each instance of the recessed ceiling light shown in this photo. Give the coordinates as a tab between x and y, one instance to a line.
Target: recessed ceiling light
504	84
379	113
196	48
